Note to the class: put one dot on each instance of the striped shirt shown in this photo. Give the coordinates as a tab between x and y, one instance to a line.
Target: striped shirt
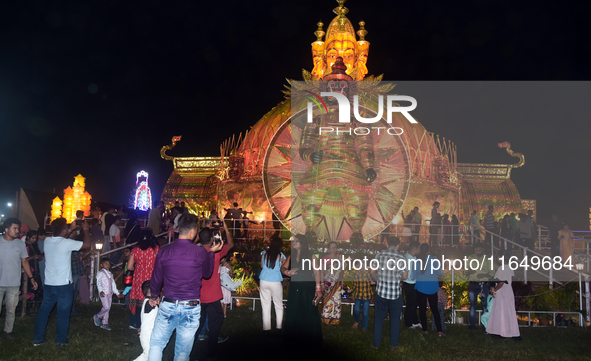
389	275
489	220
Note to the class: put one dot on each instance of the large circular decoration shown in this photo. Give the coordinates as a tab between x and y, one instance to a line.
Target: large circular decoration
316	175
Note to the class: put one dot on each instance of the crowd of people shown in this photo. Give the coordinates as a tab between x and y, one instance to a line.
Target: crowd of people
521	229
180	287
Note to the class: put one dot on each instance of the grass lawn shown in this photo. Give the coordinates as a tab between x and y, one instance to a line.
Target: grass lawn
247	342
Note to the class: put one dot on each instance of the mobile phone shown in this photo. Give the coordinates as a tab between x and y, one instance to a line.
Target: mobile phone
316	300
217	238
78	222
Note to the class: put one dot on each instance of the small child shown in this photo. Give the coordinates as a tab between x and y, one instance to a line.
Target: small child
363	293
226	293
148	318
106	286
441	304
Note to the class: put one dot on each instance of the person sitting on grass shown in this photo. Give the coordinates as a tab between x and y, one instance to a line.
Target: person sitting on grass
148	313
106	286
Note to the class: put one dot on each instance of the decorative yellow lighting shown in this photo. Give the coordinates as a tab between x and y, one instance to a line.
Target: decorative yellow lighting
76	199
56	208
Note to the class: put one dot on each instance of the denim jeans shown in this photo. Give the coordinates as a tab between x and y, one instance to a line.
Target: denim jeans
474	288
10	294
357	310
422	298
410	312
62	295
205	326
75	290
382	306
135	320
185	319
214	314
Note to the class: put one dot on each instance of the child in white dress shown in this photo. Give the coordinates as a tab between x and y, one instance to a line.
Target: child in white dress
106	286
225	269
148	318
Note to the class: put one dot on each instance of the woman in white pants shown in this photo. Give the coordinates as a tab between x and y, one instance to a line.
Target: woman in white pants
271	286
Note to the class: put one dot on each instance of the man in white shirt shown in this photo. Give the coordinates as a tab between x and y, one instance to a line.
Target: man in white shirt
475	225
107	220
115	235
13	255
58	278
526	230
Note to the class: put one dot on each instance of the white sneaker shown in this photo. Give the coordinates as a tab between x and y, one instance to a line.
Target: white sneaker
416	325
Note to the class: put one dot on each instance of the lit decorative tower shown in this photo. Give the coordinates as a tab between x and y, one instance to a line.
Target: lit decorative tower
143	195
76	199
56	208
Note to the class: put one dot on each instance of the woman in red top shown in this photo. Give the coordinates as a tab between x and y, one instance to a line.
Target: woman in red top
141	261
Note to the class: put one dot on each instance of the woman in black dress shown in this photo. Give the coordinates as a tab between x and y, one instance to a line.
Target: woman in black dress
302	319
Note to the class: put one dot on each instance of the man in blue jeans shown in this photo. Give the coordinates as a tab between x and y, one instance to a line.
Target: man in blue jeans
391	270
179	268
58	278
478	278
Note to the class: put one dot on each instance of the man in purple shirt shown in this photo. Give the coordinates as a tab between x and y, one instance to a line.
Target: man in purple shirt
179	268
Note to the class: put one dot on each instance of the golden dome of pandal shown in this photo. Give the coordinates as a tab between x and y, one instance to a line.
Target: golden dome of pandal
432	160
424	149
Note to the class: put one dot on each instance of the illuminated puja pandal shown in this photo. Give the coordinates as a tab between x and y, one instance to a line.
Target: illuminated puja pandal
244	173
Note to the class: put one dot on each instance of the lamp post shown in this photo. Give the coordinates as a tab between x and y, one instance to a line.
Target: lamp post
579	267
99	247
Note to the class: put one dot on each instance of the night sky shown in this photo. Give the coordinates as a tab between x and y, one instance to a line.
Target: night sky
98	87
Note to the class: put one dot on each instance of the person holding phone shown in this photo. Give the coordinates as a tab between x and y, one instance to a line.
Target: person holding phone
211	288
58	278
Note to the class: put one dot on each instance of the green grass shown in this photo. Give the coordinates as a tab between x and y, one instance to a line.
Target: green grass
88	342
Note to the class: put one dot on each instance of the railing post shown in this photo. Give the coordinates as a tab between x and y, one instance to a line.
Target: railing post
550	278
580	299
472	234
587	299
98	257
91	286
587	256
525	269
539	238
453	310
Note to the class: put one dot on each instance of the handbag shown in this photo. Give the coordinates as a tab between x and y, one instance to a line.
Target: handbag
228	283
128	278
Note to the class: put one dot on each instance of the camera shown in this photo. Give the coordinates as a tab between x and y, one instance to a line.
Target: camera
217	224
217	238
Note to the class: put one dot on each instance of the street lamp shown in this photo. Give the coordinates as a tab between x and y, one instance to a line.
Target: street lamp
9	204
580	267
99	246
